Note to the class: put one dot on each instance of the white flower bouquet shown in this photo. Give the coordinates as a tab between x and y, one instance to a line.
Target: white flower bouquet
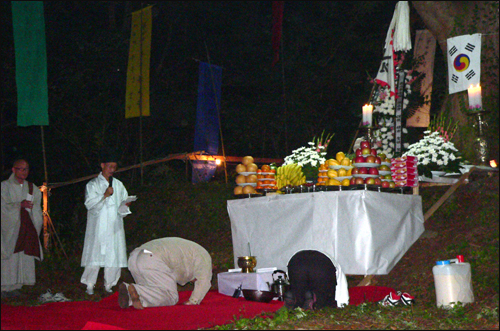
310	157
435	153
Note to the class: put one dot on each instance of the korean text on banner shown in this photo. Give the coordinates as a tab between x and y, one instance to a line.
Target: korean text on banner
137	91
464	62
31	63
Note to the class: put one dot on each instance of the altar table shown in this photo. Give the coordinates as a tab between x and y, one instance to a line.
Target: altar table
366	232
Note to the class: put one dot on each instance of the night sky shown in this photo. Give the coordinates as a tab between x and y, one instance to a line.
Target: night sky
320	83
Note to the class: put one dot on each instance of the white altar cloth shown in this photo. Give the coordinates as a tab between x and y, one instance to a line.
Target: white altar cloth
366	232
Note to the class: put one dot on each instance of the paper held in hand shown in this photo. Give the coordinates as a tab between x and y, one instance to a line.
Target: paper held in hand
123	207
130	199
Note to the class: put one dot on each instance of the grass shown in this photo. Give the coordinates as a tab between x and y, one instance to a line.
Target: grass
466	224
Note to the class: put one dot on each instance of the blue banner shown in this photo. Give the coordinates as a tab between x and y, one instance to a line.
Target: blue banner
206	135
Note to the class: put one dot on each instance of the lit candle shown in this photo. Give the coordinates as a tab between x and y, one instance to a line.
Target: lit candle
475	100
367	115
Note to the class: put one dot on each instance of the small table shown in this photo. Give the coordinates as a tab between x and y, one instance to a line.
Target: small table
365	232
230	281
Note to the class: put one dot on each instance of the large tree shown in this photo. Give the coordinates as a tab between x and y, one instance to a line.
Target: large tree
446	19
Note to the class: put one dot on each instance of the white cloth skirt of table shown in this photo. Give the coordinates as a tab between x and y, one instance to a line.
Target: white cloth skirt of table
366	232
227	282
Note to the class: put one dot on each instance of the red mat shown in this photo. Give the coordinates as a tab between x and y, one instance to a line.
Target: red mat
362	294
215	309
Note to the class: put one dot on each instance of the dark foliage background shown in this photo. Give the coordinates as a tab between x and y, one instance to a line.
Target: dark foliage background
328	52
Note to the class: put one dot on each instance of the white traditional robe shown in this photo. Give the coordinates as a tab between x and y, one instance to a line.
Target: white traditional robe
18	269
104	244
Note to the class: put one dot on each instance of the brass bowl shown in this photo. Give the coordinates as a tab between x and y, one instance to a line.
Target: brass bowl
259	296
247	263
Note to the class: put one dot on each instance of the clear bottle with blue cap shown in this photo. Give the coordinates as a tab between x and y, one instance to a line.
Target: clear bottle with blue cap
453	282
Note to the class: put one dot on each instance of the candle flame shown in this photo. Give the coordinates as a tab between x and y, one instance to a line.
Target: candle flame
493	164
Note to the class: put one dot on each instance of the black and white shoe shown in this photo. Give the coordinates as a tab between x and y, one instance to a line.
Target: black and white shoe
406	299
392	299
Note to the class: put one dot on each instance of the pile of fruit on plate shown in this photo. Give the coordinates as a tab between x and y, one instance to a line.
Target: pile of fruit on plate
266	179
336	172
371	168
246	179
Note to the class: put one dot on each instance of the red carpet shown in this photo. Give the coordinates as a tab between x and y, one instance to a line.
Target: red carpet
215	309
361	294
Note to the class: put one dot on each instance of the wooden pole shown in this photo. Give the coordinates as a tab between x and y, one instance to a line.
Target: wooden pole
45	195
445	196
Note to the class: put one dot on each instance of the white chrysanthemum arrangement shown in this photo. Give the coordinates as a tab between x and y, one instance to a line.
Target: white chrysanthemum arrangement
312	156
435	152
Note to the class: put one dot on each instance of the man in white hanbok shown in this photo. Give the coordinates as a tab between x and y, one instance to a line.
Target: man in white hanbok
104	244
158	266
22	222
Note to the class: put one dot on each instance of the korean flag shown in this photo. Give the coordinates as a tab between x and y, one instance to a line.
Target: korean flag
464	62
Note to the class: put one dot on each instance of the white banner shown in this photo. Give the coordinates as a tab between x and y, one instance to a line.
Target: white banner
464	62
425	46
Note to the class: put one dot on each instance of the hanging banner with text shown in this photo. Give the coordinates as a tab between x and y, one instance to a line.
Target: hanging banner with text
425	47
464	62
137	92
31	63
206	134
400	76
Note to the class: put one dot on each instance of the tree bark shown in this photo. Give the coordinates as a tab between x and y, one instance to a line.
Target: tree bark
446	19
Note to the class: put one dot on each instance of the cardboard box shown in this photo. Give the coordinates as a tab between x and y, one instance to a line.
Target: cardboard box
407	182
405	176
407	159
408	170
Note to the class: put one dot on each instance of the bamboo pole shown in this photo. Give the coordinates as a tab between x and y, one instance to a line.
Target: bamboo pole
45	195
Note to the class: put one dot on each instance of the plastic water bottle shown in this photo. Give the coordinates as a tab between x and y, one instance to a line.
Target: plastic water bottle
453	282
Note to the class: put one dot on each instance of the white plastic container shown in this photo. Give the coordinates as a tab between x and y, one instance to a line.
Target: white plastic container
452	279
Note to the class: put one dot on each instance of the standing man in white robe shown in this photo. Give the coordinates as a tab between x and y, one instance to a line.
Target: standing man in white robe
104	244
158	266
22	222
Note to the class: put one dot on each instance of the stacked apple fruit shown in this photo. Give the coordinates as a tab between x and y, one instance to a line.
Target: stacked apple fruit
266	178
371	168
247	176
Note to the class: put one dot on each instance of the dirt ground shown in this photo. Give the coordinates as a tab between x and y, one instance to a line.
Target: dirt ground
466	224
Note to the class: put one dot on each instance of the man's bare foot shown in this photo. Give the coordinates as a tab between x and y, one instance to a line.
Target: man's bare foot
136	302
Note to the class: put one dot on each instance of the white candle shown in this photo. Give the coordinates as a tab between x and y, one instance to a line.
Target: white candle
367	115
475	100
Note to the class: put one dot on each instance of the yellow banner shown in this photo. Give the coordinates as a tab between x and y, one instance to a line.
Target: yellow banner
137	93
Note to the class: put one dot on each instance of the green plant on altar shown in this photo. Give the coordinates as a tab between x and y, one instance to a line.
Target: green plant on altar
435	153
312	156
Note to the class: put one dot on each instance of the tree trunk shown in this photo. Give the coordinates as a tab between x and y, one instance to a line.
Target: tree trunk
446	19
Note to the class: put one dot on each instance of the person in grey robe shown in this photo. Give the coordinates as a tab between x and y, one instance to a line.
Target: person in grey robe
158	266
22	221
104	245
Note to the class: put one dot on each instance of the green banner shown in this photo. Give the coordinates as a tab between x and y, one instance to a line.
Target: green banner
31	63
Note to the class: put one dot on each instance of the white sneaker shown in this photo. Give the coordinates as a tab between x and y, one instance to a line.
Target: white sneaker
108	289
59	297
47	297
